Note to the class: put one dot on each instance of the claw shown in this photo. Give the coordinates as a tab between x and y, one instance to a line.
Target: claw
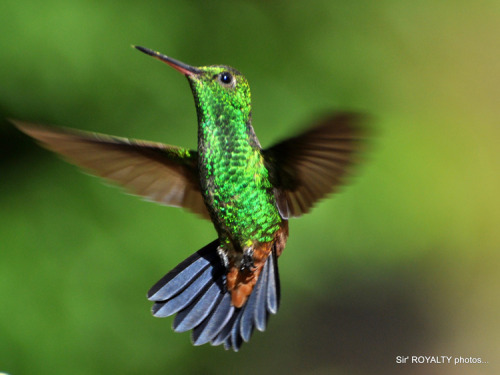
247	260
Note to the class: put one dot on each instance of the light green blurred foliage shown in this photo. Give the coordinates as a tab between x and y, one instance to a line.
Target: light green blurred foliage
403	262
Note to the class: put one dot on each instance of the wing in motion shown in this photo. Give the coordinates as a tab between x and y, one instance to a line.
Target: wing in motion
161	173
305	168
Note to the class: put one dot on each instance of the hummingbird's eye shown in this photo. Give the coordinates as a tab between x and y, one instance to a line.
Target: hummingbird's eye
226	79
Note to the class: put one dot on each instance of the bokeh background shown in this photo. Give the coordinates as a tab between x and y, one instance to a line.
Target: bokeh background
405	261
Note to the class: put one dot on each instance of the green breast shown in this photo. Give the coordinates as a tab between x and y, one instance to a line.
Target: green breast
235	185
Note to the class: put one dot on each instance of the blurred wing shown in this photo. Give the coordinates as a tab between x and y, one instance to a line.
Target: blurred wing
162	173
305	168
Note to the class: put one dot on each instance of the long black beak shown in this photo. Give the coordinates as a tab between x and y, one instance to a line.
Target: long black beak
185	69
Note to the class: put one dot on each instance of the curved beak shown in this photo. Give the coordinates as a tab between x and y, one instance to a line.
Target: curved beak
185	69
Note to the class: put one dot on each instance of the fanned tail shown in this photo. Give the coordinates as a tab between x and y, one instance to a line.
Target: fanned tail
195	291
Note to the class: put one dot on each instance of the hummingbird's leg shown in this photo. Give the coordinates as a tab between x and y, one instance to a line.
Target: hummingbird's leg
223	256
247	261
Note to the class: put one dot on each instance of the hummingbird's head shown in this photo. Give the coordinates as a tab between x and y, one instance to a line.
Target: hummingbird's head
219	90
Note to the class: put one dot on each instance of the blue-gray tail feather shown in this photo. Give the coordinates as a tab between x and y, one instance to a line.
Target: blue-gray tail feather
196	291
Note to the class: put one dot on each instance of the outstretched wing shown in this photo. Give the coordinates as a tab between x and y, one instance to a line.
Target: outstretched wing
162	173
305	168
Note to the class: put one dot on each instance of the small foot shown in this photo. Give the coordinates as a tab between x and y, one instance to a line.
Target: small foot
247	260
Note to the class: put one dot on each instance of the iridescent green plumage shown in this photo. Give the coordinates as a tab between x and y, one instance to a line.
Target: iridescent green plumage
228	288
235	181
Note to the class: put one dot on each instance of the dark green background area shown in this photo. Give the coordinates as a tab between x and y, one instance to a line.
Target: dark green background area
405	261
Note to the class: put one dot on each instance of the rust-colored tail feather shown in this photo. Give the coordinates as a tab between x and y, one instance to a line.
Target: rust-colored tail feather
195	290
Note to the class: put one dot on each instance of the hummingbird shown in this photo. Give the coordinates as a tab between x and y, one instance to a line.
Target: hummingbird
231	286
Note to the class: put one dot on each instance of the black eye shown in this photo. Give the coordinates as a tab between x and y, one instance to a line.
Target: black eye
226	78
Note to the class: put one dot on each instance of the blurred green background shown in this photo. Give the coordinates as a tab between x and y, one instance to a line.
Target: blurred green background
404	261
